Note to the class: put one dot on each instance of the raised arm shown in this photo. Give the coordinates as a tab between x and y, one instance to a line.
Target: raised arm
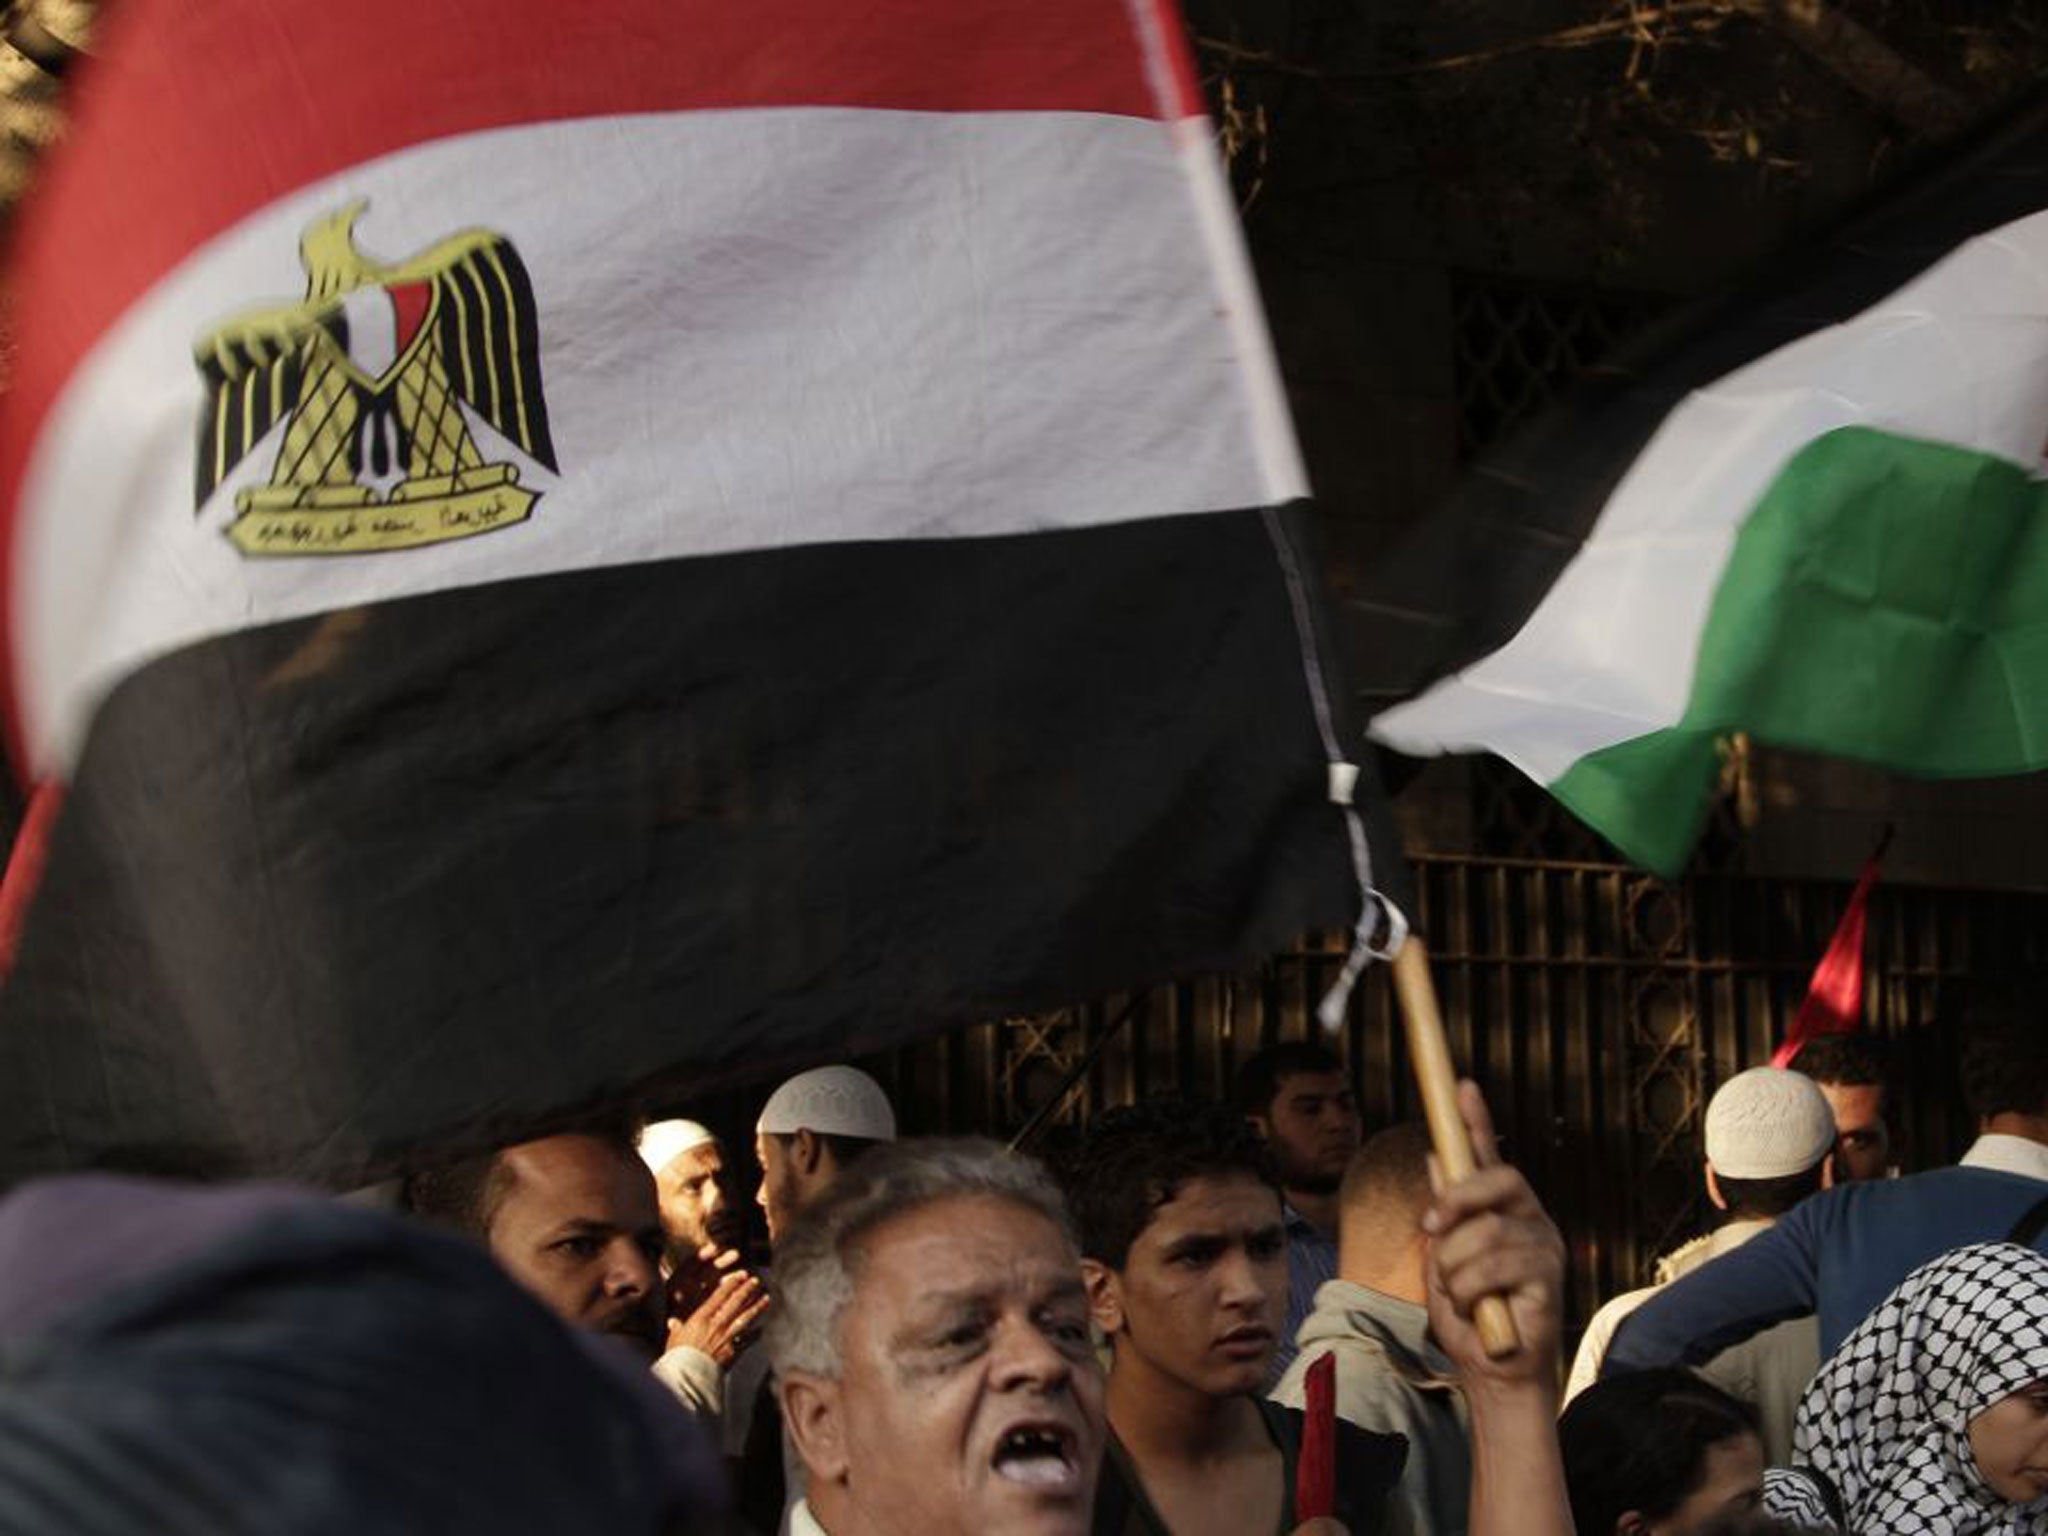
1489	1236
1771	1277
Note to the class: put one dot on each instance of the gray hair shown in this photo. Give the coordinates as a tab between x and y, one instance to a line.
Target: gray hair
818	1260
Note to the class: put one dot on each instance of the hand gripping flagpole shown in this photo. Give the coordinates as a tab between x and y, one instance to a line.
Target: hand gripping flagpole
1430	1053
1382	927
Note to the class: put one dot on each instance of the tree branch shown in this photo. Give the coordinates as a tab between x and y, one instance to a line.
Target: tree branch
1635	27
1864	62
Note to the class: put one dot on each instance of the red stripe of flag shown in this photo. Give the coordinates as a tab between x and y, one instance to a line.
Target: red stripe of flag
154	167
25	864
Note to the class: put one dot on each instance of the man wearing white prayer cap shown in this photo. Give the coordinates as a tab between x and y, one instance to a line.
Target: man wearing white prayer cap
811	1128
1770	1137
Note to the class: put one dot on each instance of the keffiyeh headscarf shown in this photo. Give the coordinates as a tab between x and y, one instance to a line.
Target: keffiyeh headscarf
1886	1421
1795	1500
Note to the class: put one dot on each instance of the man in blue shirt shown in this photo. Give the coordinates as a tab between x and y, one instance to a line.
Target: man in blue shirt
1843	1251
1299	1100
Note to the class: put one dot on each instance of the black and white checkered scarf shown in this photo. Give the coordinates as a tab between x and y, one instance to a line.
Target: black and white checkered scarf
1886	1422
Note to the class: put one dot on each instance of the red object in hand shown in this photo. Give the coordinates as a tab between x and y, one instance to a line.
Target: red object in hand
1315	1475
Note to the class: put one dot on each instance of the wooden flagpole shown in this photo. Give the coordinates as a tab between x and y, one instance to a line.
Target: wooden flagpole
1431	1055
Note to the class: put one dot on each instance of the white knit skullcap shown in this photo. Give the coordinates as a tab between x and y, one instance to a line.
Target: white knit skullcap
1767	1123
830	1101
666	1140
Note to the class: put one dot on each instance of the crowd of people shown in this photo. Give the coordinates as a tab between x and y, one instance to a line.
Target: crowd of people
1194	1318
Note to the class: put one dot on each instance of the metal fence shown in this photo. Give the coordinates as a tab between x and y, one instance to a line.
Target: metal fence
1516	344
1597	1005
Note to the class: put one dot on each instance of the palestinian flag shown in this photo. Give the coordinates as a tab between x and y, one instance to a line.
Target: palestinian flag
1819	520
563	552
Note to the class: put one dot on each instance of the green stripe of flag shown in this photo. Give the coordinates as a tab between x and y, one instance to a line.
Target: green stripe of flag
1886	601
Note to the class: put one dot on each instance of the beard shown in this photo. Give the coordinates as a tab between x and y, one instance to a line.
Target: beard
640	1327
1311	1181
724	1229
1310	1176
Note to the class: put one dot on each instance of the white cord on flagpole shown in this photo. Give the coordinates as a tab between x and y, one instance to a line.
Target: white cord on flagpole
1376	914
1285	478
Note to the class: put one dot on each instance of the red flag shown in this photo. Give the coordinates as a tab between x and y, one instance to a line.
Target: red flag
1315	1475
1834	998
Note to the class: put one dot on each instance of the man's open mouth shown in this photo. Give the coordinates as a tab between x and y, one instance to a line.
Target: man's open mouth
1038	1456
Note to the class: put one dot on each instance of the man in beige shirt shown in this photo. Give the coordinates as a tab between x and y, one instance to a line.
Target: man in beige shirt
1391	1375
1770	1137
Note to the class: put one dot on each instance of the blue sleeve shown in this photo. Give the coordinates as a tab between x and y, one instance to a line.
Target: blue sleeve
1771	1277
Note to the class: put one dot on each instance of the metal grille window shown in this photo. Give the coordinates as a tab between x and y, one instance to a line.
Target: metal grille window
1515	817
1518	345
1600	1007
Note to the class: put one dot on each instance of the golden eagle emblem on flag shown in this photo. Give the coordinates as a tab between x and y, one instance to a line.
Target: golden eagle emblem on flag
374	369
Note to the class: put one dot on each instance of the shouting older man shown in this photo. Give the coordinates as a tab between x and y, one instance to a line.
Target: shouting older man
931	1348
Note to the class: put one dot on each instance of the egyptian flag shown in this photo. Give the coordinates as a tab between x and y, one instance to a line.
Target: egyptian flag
561	553
1818	518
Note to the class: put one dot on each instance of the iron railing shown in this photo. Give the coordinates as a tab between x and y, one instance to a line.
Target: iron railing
1597	1005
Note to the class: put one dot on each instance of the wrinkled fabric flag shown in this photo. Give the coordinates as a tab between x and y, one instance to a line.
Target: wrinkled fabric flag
1818	520
567	553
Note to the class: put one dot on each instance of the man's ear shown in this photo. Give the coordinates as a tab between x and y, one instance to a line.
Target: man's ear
1105	1296
1714	1190
807	1150
812	1413
1263	1124
1631	1524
